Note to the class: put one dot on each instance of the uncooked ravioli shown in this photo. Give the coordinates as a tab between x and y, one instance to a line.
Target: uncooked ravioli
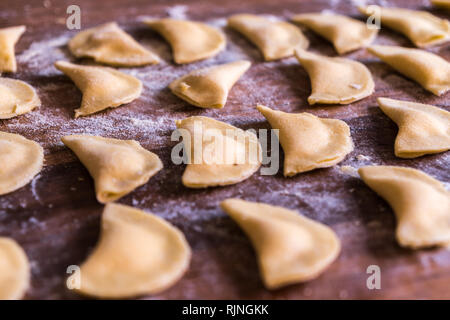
117	166
138	253
14	270
291	248
420	202
209	87
111	45
8	39
275	39
309	142
421	27
423	129
17	97
335	80
190	41
21	159
219	154
102	87
430	70
345	33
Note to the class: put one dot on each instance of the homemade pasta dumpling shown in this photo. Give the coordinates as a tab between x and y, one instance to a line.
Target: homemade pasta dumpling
309	142
421	27
138	253
190	41
117	166
218	154
276	40
14	270
290	247
345	33
21	159
109	44
420	202
209	87
422	128
441	3
102	87
430	70
8	39
335	80
16	98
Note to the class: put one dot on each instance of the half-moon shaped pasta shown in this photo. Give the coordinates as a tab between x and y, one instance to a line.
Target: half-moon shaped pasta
209	87
276	40
190	41
109	44
345	33
420	202
290	247
138	253
335	80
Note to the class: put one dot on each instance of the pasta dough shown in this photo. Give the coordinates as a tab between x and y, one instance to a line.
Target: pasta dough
21	159
421	27
138	253
335	80
209	87
423	129
420	202
117	166
219	154
290	247
111	45
14	270
276	40
345	33
8	39
17	97
309	142
190	41
430	70
102	87
441	3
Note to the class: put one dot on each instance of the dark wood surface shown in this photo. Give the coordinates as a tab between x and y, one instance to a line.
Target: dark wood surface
56	217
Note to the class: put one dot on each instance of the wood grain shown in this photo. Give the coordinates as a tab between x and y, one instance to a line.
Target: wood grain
56	218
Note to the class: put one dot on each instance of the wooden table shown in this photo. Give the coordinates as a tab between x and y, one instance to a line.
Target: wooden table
56	217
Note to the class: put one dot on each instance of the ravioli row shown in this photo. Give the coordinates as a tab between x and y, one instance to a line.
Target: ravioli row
139	253
333	80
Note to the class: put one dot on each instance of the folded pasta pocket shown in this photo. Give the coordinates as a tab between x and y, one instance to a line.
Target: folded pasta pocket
346	34
422	128
421	27
190	41
335	80
138	253
218	154
290	247
17	97
14	270
420	202
429	70
21	159
309	142
111	45
209	87
102	87
8	39
117	166
276	40
445	4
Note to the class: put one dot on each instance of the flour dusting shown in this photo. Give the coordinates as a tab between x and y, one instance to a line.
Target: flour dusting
178	12
41	55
